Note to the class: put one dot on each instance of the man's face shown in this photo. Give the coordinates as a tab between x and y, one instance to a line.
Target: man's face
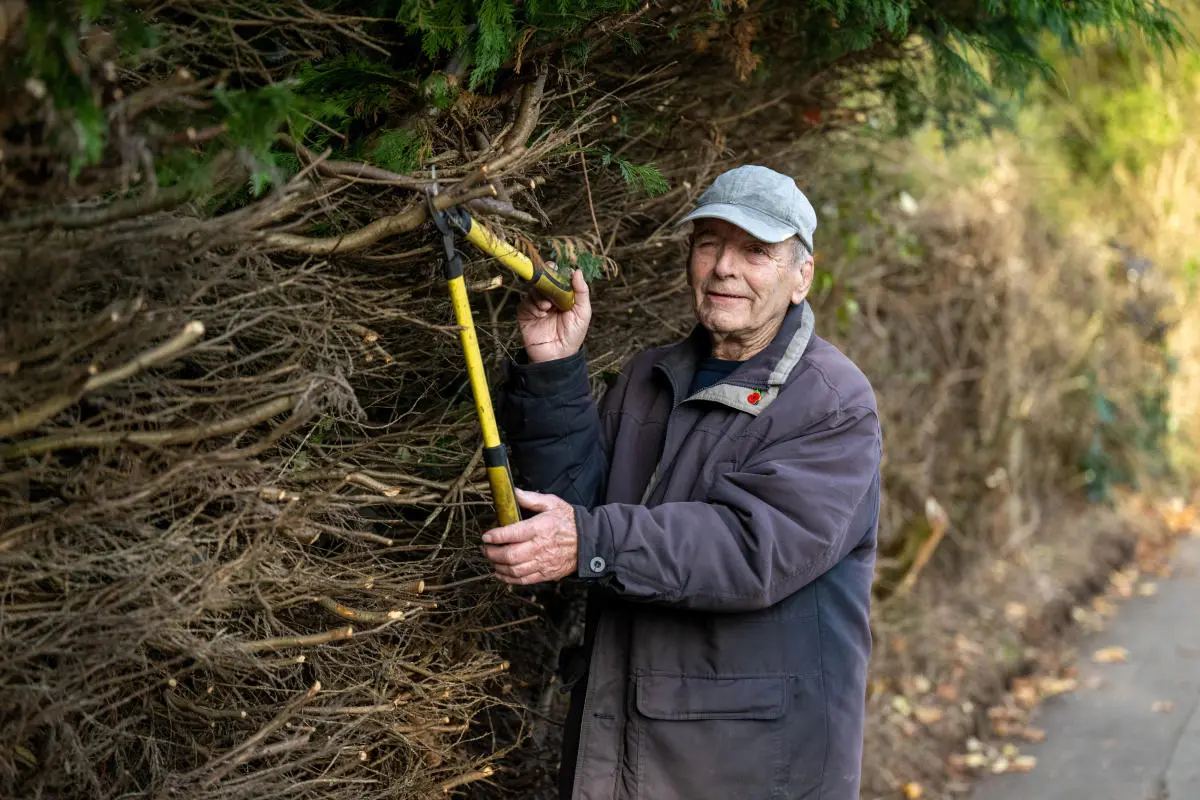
743	287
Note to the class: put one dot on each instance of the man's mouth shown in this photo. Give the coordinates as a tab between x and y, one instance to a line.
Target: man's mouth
719	296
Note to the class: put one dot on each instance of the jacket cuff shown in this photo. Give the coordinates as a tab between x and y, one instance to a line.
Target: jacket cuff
546	378
596	555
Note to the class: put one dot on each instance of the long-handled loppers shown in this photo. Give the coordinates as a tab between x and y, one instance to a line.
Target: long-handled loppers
545	280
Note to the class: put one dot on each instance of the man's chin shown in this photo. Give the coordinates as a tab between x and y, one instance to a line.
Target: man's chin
721	324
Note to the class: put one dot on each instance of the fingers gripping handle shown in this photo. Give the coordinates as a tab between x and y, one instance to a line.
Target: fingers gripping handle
504	496
548	281
555	288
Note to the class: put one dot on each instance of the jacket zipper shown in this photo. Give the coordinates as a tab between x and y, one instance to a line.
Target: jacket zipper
675	404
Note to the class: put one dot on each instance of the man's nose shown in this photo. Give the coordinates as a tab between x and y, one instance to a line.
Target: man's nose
726	266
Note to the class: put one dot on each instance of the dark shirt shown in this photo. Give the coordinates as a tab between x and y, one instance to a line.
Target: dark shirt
711	370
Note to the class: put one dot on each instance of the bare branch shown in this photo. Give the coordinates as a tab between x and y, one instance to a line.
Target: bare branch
283	642
380	229
527	117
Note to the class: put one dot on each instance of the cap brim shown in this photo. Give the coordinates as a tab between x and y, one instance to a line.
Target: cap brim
759	225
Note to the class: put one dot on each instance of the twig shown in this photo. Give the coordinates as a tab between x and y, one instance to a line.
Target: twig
587	183
193	136
939	523
245	751
389	500
173	699
486	206
752	110
382	708
191	435
102	326
402	729
503	625
145	204
31	418
279	643
371	339
370	483
424	673
459	482
366	536
468	777
355	170
402	477
331	605
456	584
483	673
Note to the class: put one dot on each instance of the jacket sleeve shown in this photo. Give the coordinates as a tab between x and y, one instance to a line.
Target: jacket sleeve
553	429
767	529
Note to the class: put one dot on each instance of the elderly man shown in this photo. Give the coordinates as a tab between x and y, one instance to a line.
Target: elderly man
722	505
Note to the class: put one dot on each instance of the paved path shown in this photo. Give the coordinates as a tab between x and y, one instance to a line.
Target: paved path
1108	743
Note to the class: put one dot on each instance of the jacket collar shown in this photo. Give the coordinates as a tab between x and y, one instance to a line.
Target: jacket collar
756	383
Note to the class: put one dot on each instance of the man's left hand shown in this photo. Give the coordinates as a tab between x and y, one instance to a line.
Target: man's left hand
542	548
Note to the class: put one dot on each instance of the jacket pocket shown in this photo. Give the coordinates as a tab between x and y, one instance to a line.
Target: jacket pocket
709	737
681	697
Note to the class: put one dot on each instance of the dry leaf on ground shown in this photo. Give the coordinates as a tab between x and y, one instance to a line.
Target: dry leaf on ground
927	715
1111	655
1025	693
1052	686
1104	607
913	791
1033	735
1016	612
1024	763
947	691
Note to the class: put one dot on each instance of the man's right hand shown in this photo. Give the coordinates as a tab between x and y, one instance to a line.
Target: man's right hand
550	334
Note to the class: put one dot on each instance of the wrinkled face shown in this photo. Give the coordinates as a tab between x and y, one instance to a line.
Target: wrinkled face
743	287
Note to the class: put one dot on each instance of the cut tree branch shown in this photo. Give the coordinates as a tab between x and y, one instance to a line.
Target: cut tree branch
282	642
469	777
392	225
527	117
345	612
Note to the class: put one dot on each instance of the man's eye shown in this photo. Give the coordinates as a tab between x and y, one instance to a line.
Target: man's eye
706	243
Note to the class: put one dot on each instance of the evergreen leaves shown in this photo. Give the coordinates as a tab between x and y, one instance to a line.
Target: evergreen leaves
496	35
643	177
353	100
399	150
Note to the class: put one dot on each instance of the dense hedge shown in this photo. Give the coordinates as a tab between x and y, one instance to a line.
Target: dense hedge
241	488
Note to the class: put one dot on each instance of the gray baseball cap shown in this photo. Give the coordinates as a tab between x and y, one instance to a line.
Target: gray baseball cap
766	204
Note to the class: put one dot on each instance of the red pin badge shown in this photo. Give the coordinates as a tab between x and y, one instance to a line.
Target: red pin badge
753	398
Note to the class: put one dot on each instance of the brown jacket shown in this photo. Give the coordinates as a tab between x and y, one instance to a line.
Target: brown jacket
729	542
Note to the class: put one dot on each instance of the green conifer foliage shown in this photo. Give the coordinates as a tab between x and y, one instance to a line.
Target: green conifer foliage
439	48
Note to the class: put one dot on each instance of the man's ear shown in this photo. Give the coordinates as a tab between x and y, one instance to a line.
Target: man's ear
807	270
